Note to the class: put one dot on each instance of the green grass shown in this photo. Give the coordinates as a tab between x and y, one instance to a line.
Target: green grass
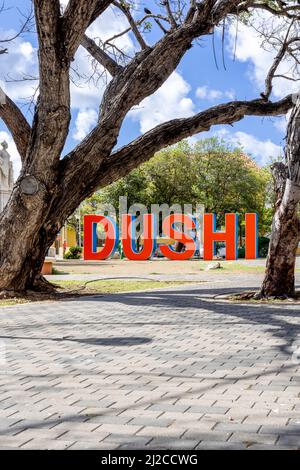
56	272
115	286
9	302
233	266
98	287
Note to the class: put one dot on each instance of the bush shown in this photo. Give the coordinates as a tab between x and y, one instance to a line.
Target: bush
73	253
241	252
263	246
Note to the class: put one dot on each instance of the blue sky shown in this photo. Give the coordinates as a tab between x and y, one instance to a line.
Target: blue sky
195	85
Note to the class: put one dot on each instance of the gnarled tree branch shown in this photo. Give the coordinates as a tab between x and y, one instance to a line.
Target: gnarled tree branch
16	123
172	20
130	156
277	61
126	10
77	17
101	6
122	161
280	175
291	12
144	75
101	56
52	114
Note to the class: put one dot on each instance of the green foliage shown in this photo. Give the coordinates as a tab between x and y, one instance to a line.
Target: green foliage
169	176
241	252
147	26
227	180
210	172
263	246
73	253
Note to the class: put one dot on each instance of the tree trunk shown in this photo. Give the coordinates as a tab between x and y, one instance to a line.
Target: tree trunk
280	272
25	236
279	279
19	273
29	225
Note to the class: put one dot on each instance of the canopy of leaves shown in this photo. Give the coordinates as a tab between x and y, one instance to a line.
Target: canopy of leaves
209	172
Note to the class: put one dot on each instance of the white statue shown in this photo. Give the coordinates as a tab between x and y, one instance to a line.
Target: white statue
6	176
6	169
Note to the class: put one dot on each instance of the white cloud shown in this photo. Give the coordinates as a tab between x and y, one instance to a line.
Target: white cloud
84	123
168	102
88	93
12	150
27	51
19	63
22	61
281	124
85	93
261	150
206	93
248	48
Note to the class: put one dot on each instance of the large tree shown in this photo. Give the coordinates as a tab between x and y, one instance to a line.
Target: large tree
280	273
49	188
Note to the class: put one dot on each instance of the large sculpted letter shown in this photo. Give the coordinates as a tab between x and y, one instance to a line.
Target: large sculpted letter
90	251
229	236
187	240
128	237
251	236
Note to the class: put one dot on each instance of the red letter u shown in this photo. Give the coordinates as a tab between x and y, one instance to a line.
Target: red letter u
128	237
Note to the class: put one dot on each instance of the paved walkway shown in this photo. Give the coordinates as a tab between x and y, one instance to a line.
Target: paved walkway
169	369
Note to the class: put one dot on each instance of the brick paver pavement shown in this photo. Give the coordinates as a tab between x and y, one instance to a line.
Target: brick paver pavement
171	369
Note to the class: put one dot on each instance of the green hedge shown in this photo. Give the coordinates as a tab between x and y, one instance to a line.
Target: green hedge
263	246
73	253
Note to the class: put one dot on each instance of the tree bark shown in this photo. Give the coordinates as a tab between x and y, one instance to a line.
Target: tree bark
25	236
280	270
279	279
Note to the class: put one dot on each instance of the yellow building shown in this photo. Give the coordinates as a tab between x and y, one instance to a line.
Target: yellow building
65	239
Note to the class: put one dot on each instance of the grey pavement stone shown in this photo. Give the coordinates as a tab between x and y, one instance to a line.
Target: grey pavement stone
46	444
144	421
172	444
90	445
237	427
208	445
170	368
286	430
269	447
290	439
253	438
213	436
155	431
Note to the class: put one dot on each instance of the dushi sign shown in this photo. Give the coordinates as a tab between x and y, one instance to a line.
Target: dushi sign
210	236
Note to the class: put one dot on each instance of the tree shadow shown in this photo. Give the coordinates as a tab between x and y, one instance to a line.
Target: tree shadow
115	341
181	307
277	319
